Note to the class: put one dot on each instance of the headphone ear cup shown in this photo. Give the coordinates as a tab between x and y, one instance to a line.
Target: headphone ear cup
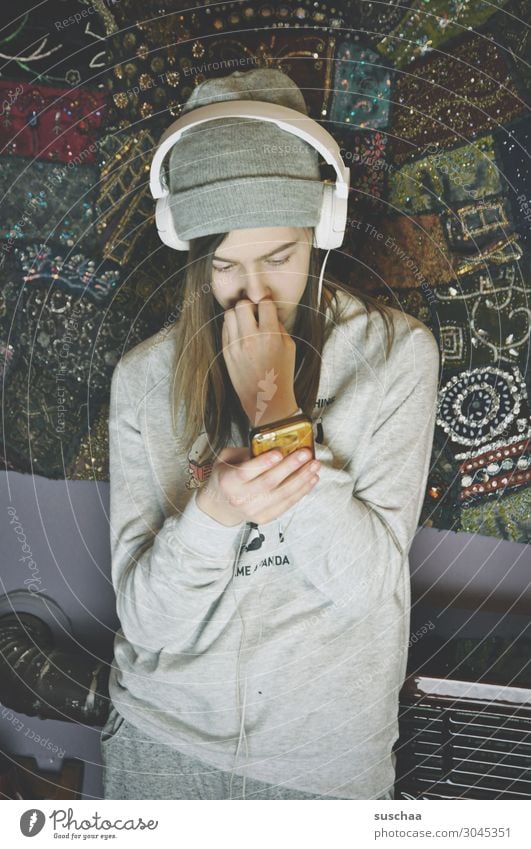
330	231
324	234
166	227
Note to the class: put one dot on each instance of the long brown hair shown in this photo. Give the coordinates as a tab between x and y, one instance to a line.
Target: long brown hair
200	378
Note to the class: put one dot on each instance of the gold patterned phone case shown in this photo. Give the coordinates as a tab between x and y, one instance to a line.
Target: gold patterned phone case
287	435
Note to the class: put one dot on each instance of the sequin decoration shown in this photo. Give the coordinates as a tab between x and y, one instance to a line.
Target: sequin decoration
76	273
364	152
425	26
50	123
514	144
158	60
400	253
472	226
45	200
510	27
416	302
59	53
478	406
375	20
484	317
124	204
448	98
441	507
7	360
43	421
506	515
361	88
446	177
91	460
65	330
507	467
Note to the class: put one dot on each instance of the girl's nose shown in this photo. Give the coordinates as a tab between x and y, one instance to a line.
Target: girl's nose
255	287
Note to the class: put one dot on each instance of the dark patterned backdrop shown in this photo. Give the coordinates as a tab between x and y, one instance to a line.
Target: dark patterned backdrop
428	104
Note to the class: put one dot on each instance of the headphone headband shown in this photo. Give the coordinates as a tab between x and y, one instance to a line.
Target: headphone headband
331	227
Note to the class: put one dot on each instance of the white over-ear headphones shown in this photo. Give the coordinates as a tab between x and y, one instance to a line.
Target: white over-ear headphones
330	229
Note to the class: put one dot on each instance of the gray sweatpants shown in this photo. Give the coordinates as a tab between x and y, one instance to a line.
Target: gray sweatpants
135	766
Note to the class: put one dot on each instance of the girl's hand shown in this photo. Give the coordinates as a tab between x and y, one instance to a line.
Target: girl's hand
242	488
260	359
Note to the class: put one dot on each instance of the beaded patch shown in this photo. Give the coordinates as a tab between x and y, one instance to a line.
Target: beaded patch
63	53
505	514
507	467
424	26
148	86
482	405
46	122
448	98
510	27
484	317
475	225
46	201
514	145
465	174
400	252
124	205
362	88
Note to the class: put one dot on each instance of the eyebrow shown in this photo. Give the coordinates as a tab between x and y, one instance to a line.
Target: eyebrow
274	251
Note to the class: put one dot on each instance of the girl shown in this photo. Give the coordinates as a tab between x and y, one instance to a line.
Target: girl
263	602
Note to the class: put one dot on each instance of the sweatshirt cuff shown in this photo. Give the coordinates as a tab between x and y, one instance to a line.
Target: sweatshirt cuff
203	535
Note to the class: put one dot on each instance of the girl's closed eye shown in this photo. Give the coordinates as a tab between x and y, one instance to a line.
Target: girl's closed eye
274	262
280	261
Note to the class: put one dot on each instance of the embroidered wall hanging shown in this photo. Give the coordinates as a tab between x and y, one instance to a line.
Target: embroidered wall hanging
428	108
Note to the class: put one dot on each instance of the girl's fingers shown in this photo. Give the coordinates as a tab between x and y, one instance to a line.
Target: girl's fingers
288	494
268	319
229	320
247	324
260	474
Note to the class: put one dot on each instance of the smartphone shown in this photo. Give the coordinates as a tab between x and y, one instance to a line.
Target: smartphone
286	435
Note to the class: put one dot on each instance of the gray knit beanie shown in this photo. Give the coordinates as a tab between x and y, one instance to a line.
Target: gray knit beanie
242	172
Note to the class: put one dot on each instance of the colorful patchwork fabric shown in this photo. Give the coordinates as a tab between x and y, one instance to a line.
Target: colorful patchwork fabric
446	99
424	26
361	88
51	123
46	200
467	173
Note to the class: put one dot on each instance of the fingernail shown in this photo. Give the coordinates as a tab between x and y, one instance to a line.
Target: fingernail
275	457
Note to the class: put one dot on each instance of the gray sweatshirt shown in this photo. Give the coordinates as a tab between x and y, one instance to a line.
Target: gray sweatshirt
275	651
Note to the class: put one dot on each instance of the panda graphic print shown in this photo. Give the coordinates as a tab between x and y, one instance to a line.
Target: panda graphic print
200	462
